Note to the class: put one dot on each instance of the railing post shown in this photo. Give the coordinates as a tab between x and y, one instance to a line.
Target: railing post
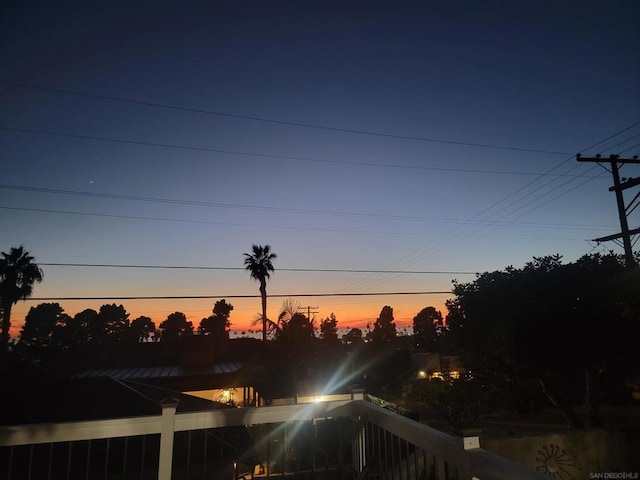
166	437
470	441
357	393
359	460
359	445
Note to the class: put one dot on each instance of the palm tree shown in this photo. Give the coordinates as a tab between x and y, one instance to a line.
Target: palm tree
290	306
259	265
288	309
271	325
18	273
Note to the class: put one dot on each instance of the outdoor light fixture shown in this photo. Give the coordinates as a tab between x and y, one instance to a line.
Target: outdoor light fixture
225	396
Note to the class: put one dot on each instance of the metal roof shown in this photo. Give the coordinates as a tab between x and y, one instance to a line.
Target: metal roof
141	373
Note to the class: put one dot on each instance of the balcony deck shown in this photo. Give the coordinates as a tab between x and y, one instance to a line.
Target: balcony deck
336	437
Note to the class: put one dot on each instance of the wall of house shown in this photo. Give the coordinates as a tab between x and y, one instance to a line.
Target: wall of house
237	395
576	455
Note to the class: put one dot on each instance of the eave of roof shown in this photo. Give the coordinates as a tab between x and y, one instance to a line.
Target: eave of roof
150	373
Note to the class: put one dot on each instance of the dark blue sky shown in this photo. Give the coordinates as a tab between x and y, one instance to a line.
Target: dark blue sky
255	80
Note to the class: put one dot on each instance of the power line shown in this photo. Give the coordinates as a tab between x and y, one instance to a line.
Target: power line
197	297
372	280
375	280
282	122
200	267
539	197
563	226
260	155
549	182
548	192
501	222
611	147
590	178
610	137
561	194
548	172
201	204
575	187
630	148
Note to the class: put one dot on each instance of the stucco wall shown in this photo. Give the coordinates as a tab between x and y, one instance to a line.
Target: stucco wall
570	456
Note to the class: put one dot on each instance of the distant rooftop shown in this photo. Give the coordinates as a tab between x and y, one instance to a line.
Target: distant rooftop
142	373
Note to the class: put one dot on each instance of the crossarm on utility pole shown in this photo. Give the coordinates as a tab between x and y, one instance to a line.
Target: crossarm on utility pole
618	187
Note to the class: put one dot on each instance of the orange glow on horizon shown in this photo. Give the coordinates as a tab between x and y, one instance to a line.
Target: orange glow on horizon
350	313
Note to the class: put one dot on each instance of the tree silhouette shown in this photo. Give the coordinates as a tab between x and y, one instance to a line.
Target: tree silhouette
384	329
427	328
174	327
41	324
141	329
296	332
18	273
259	265
77	330
112	323
353	337
289	308
218	323
329	330
548	324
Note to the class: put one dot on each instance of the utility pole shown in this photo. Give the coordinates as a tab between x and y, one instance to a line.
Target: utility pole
623	210
309	312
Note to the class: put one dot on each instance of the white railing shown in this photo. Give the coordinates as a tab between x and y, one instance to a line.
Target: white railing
383	444
429	450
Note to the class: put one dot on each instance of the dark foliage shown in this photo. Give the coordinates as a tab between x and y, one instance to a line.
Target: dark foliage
549	323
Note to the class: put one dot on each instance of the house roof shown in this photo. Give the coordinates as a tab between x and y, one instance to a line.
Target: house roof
91	399
144	373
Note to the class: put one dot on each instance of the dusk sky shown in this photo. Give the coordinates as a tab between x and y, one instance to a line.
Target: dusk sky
435	137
